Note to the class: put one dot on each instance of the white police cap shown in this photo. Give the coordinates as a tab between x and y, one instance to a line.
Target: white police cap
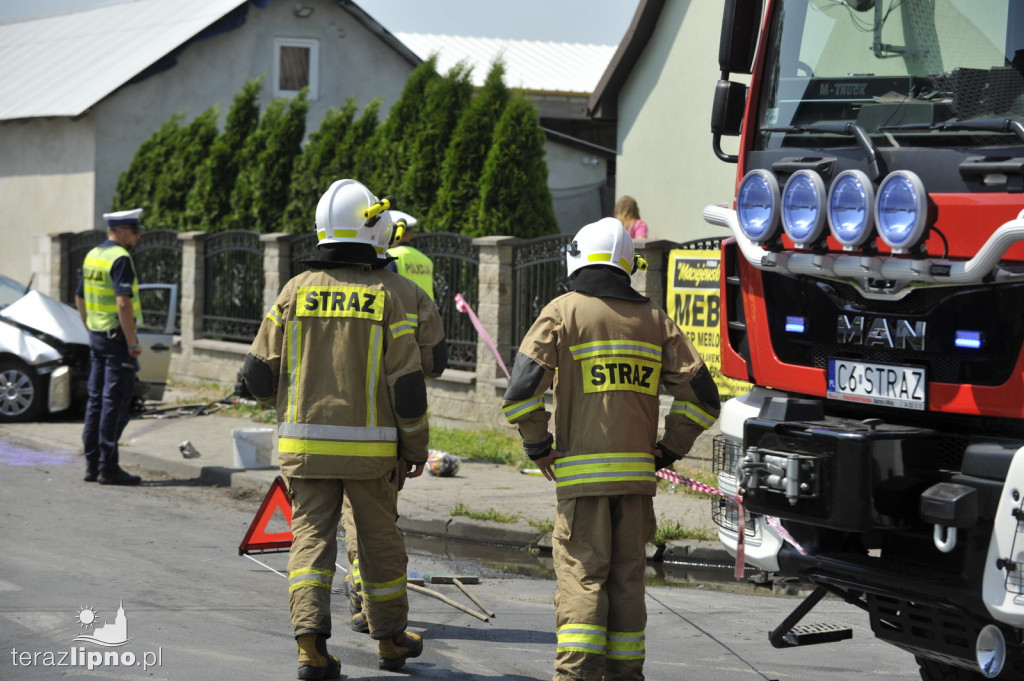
410	221
123	217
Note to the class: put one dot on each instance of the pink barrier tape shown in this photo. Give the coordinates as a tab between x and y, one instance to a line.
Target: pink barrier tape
462	306
784	533
698	486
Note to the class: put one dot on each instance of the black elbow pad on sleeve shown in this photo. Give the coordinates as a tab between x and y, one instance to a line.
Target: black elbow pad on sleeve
526	378
258	377
704	387
411	395
441	356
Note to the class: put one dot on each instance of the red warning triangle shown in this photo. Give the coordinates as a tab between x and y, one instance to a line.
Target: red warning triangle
257	539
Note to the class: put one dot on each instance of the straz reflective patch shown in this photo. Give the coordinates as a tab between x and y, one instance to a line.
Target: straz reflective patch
340	301
605	373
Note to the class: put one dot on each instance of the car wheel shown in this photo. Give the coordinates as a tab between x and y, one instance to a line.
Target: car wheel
21	392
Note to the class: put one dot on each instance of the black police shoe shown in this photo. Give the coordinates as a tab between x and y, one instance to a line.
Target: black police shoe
90	475
118	477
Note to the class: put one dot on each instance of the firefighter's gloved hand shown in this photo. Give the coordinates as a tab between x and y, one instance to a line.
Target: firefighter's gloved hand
412	470
666	457
241	389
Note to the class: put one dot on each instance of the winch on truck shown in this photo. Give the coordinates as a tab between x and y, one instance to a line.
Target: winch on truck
873	294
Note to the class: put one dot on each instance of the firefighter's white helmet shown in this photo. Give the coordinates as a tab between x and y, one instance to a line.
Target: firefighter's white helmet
395	221
605	242
349	213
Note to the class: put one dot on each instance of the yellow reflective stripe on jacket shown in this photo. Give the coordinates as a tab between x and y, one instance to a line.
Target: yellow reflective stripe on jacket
275	316
373	353
606	467
293	351
519	409
319	431
693	412
619	347
626	645
582	638
384	591
288	445
310	577
416	426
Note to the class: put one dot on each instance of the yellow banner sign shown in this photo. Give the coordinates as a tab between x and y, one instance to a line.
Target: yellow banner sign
694	302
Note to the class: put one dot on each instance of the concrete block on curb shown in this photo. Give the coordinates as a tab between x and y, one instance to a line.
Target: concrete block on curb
429	527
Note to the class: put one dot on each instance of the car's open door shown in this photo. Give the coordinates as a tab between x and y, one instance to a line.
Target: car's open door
156	336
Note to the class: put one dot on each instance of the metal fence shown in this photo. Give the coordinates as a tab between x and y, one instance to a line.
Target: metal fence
233	288
302	247
538	275
456	270
158	261
78	246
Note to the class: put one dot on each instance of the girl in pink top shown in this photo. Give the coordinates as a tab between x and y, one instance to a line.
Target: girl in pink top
628	213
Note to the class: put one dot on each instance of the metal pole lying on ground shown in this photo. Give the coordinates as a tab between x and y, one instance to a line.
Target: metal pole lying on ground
442	597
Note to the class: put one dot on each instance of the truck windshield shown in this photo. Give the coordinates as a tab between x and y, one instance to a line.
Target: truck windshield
907	72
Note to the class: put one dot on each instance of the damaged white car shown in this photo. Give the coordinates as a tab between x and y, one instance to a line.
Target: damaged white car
44	351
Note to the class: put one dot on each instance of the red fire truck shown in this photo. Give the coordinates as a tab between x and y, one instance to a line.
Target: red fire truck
873	294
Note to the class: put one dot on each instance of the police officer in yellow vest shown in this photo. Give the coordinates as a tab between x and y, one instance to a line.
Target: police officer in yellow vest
408	261
611	350
108	302
338	357
428	328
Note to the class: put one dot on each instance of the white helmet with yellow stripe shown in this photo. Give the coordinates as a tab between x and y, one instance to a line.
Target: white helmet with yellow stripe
605	242
349	213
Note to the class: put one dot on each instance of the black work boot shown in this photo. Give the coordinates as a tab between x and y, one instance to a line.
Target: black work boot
314	661
90	475
393	652
118	476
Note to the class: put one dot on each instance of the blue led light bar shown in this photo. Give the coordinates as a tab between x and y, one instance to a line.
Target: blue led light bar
968	339
796	324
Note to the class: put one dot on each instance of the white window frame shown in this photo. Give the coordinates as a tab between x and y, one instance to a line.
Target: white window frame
314	65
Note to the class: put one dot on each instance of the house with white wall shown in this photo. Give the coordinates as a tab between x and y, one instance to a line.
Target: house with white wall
658	90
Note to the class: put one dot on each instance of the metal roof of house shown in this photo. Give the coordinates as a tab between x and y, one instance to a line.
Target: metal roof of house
63	64
530	65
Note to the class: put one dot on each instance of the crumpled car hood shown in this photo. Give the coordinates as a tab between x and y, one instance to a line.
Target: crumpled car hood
40	313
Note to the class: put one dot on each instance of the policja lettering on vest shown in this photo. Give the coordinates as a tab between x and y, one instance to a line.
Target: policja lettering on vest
108	303
408	261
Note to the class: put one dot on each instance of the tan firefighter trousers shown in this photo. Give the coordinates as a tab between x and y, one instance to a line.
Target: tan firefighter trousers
316	512
599	551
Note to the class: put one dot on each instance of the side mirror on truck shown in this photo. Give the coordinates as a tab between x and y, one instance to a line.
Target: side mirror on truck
741	22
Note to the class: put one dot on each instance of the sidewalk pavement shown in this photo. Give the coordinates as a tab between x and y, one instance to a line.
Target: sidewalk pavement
152	443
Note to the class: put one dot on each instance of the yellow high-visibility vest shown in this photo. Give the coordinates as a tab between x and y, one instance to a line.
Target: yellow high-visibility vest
416	266
100	298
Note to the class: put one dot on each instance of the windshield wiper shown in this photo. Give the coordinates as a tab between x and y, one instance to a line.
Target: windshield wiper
852	129
985	124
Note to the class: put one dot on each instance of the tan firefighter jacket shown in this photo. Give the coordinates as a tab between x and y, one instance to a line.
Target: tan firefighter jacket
606	353
339	354
422	313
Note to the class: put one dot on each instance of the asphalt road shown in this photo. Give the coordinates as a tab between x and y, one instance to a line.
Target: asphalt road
71	553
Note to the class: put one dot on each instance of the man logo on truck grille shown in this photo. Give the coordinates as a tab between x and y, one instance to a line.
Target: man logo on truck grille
898	334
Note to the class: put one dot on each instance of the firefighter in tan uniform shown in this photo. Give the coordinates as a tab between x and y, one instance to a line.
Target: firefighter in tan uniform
612	349
337	355
428	328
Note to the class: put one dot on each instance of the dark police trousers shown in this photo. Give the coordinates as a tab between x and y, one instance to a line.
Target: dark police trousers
111	382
